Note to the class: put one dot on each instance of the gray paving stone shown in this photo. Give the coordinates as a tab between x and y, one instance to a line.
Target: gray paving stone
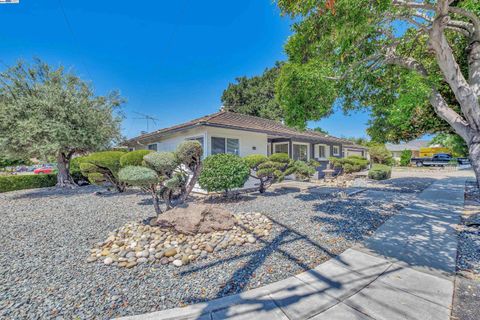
429	287
300	301
341	312
383	302
261	309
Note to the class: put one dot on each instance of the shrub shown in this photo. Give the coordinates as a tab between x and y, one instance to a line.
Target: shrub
380	154
74	168
269	170
133	158
350	164
168	176
103	167
405	157
380	172
223	172
162	162
303	170
31	181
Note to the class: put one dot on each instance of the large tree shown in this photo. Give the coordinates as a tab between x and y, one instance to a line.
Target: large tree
255	95
47	112
399	57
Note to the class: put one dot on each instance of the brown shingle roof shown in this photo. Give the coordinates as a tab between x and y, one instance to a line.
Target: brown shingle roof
231	120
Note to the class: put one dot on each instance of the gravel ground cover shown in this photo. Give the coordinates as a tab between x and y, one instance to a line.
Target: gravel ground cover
47	234
467	282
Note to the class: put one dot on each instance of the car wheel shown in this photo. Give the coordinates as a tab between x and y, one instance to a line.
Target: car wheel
419	164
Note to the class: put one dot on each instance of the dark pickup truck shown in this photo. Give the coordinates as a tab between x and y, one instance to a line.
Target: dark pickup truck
439	159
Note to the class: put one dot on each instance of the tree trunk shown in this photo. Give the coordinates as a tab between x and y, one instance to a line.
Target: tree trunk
474	151
191	183
64	179
156	200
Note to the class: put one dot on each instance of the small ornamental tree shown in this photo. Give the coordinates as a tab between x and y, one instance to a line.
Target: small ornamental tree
167	176
47	112
103	167
349	164
405	157
269	170
380	154
223	172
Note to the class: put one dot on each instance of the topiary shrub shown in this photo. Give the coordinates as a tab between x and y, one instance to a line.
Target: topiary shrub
167	176
103	167
304	170
380	172
133	158
269	170
223	172
349	164
30	181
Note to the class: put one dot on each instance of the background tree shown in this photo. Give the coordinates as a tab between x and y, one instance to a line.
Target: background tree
359	56
379	154
50	112
452	141
321	130
254	96
405	157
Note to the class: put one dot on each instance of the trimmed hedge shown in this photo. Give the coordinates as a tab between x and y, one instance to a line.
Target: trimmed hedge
380	172
133	158
30	181
223	172
350	164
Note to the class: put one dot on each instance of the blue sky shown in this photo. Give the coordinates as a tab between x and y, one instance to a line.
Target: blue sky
169	59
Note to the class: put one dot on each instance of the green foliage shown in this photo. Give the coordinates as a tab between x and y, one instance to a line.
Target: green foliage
304	93
405	157
269	170
223	172
452	141
133	158
6	161
30	181
380	172
254	96
48	112
103	167
254	160
380	154
162	162
350	164
304	170
74	168
189	153
280	157
138	176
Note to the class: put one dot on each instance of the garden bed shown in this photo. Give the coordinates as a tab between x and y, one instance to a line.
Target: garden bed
47	236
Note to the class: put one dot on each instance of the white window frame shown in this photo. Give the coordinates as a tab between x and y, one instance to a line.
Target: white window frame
226	143
302	144
337	152
280	143
317	151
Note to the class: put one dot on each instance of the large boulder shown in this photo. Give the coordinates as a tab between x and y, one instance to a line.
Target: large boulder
196	218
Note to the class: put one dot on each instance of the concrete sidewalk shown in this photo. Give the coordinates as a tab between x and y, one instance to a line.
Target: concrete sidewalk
404	271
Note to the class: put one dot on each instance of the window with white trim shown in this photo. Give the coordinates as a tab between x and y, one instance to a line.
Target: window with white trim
152	146
300	152
225	145
322	152
336	150
280	148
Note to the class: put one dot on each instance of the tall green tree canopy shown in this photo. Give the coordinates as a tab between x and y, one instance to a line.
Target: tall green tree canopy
416	64
254	96
48	112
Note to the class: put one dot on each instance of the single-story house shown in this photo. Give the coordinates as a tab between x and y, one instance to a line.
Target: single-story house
414	146
235	133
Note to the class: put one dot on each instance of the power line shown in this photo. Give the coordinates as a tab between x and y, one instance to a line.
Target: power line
76	43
